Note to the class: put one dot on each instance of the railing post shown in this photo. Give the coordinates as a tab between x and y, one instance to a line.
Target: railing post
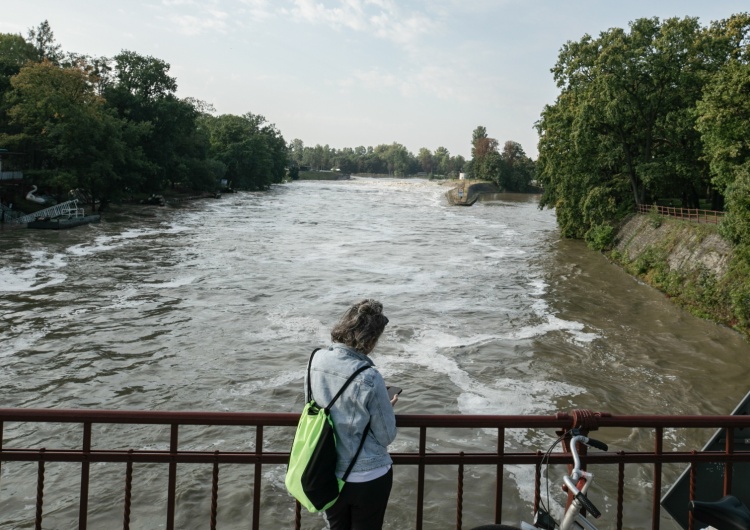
620	490
215	491
538	480
257	476
691	490
85	466
655	507
420	477
128	491
499	475
728	468
39	491
460	492
171	494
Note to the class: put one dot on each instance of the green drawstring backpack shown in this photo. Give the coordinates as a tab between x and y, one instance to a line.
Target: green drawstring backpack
311	474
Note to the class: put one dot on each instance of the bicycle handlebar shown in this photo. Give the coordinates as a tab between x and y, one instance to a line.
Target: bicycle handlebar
595	513
596	443
578	473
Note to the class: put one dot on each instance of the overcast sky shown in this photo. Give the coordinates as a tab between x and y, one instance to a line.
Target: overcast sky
423	73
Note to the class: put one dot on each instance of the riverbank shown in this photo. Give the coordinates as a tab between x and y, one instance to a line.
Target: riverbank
691	263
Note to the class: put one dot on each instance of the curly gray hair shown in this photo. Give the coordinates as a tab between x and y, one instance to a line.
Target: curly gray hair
361	326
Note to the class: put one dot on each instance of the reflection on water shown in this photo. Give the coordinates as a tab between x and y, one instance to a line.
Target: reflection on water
216	306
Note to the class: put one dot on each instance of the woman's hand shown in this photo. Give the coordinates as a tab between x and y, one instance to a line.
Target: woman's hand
394	399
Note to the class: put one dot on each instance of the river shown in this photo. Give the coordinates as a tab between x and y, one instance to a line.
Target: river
217	304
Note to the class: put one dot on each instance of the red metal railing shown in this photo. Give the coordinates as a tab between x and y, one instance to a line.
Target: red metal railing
685	214
496	458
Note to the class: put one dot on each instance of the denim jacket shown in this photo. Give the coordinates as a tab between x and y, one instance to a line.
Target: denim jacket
365	399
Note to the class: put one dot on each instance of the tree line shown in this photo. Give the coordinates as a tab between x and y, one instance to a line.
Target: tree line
115	126
658	112
388	159
510	168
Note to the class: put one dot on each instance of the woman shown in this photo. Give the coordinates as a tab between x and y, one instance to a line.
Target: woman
363	500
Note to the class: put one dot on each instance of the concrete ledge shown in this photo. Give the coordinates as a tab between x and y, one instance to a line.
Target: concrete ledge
467	192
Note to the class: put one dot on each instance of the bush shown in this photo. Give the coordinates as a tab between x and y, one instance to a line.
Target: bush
600	237
736	224
654	219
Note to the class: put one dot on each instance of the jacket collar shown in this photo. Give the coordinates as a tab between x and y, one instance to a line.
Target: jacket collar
351	352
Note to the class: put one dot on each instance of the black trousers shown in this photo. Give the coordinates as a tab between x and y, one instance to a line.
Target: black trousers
361	505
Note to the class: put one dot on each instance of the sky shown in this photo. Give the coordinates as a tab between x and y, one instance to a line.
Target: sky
349	73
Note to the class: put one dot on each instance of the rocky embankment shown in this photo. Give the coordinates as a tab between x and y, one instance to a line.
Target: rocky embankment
691	263
686	247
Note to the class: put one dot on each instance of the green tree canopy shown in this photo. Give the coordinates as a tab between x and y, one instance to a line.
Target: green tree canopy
42	38
622	130
253	151
73	139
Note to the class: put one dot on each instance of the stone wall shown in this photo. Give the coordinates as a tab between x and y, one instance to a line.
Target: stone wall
691	246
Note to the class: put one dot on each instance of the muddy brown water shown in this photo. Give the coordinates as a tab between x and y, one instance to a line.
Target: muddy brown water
216	305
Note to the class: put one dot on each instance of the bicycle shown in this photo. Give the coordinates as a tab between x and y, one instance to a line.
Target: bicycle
577	484
728	513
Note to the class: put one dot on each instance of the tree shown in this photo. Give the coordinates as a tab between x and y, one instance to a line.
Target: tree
457	164
425	160
15	52
442	161
485	162
516	169
73	139
296	151
142	92
724	110
724	124
146	79
43	40
399	159
622	130
480	133
254	152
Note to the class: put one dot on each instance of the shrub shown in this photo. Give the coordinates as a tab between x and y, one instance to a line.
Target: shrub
654	219
600	237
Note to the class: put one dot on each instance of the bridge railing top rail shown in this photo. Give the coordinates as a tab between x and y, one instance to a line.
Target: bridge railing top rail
734	452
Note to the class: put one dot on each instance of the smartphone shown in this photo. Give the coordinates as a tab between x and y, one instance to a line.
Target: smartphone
393	391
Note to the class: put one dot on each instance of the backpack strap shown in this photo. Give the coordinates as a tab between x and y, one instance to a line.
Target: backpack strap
356	455
341	391
309	381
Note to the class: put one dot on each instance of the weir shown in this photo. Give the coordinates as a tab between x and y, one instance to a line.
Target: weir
733	460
